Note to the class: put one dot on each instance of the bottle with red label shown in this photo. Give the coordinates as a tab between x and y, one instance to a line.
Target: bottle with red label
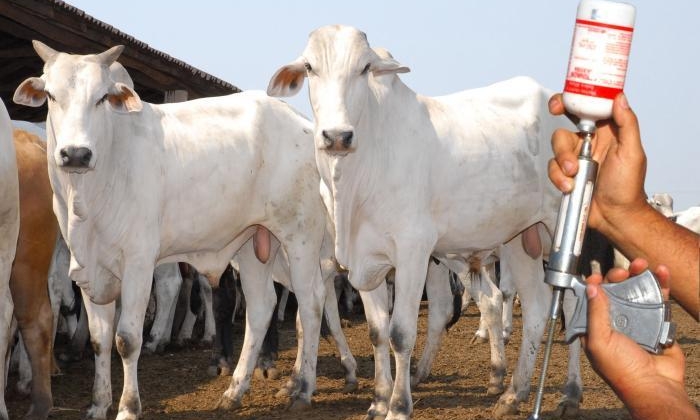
598	63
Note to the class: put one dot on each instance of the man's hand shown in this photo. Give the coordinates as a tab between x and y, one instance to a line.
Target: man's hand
646	383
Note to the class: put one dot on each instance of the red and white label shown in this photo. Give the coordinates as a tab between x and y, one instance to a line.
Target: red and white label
598	61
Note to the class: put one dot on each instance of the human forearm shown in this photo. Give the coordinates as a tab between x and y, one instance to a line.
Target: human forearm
645	233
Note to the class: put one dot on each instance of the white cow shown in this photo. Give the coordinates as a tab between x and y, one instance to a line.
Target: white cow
411	176
689	218
136	185
9	230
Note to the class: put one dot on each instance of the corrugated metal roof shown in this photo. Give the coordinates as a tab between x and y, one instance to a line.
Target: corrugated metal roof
135	43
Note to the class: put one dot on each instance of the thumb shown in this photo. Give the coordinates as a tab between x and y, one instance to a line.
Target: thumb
599	329
626	120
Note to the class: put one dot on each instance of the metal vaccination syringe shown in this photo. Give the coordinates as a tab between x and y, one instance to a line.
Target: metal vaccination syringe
637	306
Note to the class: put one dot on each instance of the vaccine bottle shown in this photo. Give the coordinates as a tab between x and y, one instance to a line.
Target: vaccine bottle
598	62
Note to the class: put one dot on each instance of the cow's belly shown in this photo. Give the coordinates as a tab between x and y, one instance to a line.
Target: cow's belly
485	226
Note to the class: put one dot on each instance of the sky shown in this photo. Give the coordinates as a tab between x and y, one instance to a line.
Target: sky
449	45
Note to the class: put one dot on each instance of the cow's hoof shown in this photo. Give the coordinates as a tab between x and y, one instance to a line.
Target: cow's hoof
374	417
228	404
298	405
567	408
417	380
476	339
504	408
95	413
24	388
495	389
258	374
284	392
34	415
345	323
350	387
225	371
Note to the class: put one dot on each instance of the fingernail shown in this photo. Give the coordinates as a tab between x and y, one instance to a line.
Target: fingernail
623	101
568	167
591	291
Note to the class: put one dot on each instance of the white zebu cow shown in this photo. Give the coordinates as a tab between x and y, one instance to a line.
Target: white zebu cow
410	176
689	218
120	168
9	230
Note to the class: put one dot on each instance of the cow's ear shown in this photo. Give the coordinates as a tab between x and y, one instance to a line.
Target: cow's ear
30	93
287	81
387	65
123	99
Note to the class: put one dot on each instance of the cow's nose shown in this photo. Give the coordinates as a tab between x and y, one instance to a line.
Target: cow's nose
337	138
75	157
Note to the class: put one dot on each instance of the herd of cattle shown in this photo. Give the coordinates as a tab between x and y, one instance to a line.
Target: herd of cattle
383	182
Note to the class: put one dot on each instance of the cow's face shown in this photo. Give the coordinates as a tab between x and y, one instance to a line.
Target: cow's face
81	93
339	63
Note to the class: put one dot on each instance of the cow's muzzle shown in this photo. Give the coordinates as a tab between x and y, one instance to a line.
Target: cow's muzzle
75	157
337	140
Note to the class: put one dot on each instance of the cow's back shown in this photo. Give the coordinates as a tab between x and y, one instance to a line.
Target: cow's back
245	154
494	144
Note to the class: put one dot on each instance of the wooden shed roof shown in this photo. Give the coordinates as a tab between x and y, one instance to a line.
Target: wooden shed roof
67	28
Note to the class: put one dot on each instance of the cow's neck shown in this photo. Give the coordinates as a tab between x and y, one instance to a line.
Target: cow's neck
357	178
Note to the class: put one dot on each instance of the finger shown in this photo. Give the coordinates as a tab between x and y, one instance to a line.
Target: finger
599	330
637	266
627	122
556	107
663	274
616	275
565	145
563	183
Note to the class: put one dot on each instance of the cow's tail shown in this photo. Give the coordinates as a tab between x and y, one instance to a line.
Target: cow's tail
325	329
457	291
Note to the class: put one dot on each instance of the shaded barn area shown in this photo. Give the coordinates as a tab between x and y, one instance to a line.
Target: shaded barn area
158	77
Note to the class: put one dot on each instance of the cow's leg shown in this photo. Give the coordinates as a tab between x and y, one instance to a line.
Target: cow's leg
573	389
440	311
101	325
24	368
35	321
136	290
490	304
223	298
308	287
206	294
507	288
535	296
185	333
6	308
376	304
411	271
265	367
282	305
259	292
80	337
168	281
333	318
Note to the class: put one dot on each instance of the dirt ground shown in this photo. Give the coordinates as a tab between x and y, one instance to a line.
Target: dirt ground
175	385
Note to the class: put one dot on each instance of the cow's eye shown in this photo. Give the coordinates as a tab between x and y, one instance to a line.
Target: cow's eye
102	99
308	67
365	70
